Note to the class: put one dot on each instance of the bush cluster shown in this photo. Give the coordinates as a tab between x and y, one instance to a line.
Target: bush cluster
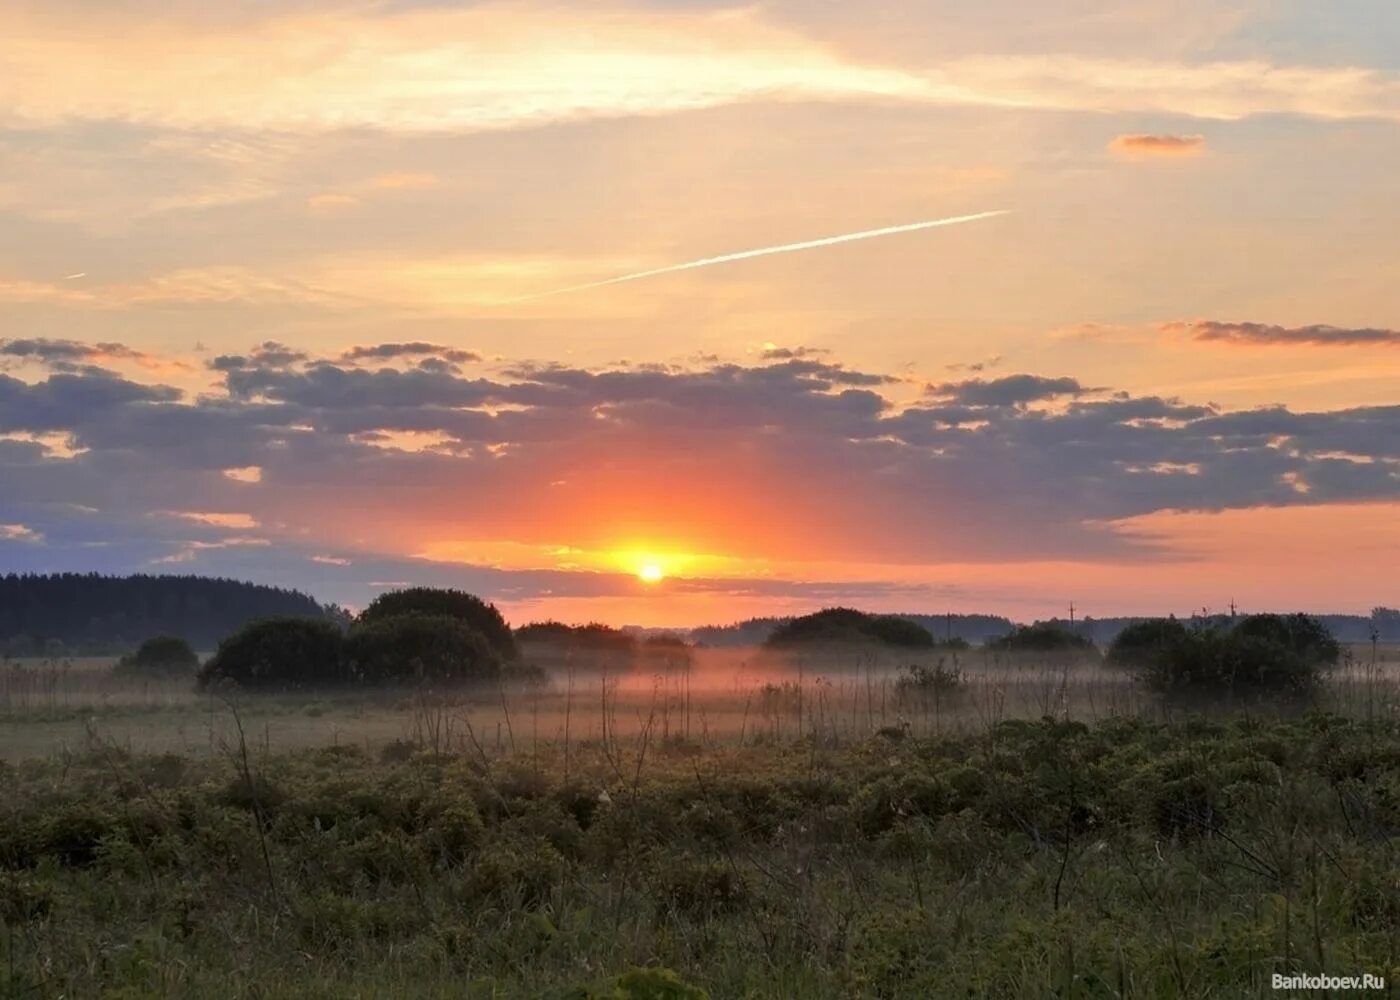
418	635
847	626
1285	654
162	655
1042	637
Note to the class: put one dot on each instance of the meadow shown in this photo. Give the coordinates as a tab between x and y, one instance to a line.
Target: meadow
730	823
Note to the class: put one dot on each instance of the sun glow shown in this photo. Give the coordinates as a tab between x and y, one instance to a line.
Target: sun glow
651	573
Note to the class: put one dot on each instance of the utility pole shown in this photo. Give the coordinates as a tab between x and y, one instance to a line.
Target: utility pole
1232	609
1071	613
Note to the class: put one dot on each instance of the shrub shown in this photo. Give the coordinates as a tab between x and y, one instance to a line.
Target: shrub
640	984
438	602
279	653
1216	660
849	626
593	637
1304	635
922	681
163	654
1142	642
420	648
1042	637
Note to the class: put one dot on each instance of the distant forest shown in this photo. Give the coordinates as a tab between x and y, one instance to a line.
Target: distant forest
75	614
754	631
981	628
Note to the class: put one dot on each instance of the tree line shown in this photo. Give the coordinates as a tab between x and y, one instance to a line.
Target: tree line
71	614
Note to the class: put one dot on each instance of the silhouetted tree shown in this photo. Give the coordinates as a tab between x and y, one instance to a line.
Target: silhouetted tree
280	653
847	626
1042	637
438	602
92	614
162	654
420	648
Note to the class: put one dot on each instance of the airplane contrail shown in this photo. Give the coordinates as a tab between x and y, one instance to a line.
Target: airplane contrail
764	252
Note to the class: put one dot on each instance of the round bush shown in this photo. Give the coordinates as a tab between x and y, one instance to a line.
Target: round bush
280	653
1143	642
849	626
1220	660
1302	634
418	648
163	654
438	602
1042	637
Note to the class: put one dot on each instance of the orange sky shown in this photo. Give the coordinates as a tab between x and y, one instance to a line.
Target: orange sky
1168	377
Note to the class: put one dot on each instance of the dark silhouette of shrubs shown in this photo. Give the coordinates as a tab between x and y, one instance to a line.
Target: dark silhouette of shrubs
922	681
436	602
279	653
1142	642
162	655
1261	653
1302	634
847	626
1042	637
591	638
420	648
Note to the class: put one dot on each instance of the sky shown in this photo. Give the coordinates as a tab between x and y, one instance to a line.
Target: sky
280	299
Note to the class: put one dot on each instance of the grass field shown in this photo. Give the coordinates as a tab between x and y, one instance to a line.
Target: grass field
758	827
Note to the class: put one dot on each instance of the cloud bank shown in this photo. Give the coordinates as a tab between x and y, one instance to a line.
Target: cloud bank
787	459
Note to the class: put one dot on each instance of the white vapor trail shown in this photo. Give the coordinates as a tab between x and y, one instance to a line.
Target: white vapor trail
766	251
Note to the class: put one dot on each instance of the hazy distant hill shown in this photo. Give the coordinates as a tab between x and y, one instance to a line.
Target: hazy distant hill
981	628
1346	628
753	632
77	613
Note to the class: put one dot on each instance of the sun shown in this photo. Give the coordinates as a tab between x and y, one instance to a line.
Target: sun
651	573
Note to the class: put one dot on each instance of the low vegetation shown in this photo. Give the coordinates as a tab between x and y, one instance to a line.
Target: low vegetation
1270	654
1043	637
163	656
848	627
914	821
1035	859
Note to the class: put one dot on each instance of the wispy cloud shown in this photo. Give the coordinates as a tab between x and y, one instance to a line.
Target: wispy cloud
1269	335
20	533
504	66
1139	145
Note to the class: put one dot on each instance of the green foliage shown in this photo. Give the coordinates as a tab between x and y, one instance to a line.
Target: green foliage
847	626
591	638
1262	653
640	984
161	655
920	680
279	654
441	602
1305	636
1029	859
418	647
1042	637
1143	642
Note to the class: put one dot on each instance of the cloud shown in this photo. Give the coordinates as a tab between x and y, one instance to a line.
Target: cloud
1137	145
20	533
776	460
415	349
235	521
1011	390
492	66
1268	335
69	355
